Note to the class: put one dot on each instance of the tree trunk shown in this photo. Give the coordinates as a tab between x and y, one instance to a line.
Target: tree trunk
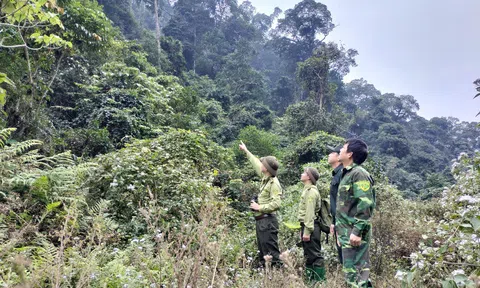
157	30
194	49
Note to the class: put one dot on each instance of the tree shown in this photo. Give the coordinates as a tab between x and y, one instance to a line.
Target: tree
239	80
402	107
31	34
360	94
313	73
158	8
392	140
189	23
120	13
296	35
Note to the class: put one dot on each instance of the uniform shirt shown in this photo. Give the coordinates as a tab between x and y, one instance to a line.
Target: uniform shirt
355	201
337	177
308	208
269	198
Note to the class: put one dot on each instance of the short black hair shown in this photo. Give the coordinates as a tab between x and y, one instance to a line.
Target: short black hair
359	150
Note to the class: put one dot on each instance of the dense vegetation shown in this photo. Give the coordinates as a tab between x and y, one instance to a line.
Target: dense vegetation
118	147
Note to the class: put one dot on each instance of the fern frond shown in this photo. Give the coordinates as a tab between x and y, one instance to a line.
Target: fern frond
4	135
16	149
25	179
99	208
22	147
63	159
45	257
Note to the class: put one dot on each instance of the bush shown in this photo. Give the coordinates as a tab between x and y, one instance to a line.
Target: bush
85	142
448	254
259	142
309	149
174	170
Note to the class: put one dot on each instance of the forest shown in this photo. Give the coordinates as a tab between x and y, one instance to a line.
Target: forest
119	162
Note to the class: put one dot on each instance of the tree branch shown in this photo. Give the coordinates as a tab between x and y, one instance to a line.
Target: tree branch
23	26
26	3
54	76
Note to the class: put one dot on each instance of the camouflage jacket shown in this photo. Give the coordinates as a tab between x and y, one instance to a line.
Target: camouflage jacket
270	194
309	207
355	203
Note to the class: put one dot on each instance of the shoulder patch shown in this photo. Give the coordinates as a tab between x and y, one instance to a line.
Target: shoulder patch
363	185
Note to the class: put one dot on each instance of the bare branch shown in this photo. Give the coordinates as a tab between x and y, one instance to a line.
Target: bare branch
24	26
54	75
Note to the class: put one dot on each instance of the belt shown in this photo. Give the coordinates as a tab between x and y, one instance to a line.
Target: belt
260	217
314	222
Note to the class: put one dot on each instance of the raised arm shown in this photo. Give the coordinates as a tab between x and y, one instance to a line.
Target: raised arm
257	165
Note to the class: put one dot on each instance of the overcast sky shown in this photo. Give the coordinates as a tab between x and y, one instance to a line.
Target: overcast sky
426	48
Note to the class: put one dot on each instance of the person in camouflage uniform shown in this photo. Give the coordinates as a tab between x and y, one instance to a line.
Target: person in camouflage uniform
355	204
269	201
308	209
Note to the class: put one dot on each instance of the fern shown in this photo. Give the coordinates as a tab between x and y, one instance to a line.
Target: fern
10	152
64	159
5	135
99	208
46	253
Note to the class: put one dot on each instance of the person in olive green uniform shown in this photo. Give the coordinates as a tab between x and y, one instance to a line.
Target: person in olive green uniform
355	204
269	201
309	207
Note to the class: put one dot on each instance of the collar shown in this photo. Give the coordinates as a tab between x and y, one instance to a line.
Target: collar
337	169
267	178
349	168
308	186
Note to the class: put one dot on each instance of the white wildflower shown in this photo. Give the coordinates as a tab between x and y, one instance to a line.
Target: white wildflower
468	199
131	187
400	275
458	272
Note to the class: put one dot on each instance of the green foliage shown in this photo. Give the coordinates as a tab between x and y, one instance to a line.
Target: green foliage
172	209
313	73
85	142
393	140
127	103
174	170
452	234
259	142
31	17
296	35
176	62
121	14
305	117
306	150
3	92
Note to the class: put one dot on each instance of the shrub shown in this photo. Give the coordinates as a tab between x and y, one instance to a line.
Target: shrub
306	150
175	169
448	254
